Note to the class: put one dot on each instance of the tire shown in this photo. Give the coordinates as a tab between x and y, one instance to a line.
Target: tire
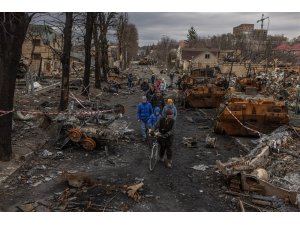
154	156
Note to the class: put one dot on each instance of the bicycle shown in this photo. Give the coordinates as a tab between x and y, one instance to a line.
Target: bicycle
154	152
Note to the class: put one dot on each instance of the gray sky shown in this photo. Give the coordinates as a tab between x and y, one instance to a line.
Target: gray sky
153	25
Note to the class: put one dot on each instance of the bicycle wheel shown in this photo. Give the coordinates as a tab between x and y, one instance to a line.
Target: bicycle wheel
153	156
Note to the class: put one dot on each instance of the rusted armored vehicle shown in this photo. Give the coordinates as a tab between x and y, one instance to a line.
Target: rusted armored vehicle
202	89
245	115
206	96
244	82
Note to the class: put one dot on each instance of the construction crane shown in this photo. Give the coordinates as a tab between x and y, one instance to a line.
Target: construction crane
262	21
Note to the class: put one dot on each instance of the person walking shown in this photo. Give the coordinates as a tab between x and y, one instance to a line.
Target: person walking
152	79
157	100
163	86
158	81
150	93
170	105
171	75
145	86
144	112
130	80
154	118
166	126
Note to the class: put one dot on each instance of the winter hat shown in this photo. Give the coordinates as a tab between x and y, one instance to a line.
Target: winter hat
170	101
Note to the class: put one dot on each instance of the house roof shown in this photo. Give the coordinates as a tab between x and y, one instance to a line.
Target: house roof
44	31
191	53
282	47
286	47
295	47
78	56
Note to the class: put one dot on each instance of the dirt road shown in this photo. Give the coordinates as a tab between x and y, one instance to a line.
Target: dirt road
180	189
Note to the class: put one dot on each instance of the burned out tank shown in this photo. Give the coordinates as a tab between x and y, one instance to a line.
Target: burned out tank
202	89
244	115
204	96
245	82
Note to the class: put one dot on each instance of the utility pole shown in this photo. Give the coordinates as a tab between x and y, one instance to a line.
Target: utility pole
262	21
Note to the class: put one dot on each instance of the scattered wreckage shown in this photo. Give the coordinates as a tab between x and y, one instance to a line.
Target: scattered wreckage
89	127
270	169
77	196
247	115
201	89
97	129
245	82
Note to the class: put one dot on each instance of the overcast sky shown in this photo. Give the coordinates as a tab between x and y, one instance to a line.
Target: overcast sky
153	25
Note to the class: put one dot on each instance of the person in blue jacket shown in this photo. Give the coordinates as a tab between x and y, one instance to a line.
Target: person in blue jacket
144	112
154	118
170	105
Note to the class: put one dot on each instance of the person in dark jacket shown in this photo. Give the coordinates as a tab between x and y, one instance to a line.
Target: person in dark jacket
150	93
166	127
145	86
178	83
130	80
158	100
171	75
144	112
153	79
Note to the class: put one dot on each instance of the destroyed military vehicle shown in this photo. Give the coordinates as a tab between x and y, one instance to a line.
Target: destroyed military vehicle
202	89
243	82
250	115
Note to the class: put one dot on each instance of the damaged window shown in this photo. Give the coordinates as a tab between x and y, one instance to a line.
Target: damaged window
36	56
37	42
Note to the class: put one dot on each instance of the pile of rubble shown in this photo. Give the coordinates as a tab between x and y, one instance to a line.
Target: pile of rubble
94	125
281	85
271	169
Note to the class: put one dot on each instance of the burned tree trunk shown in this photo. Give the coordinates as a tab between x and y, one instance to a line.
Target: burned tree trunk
97	55
106	20
122	23
65	61
104	56
12	35
87	48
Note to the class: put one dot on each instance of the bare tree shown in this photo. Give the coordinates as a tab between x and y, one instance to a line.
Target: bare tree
106	21
163	48
13	27
130	43
122	23
87	47
65	60
97	52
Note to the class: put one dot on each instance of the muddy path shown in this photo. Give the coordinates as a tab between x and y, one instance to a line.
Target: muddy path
179	189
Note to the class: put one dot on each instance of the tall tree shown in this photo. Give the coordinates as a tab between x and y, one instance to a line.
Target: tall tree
122	22
65	61
130	43
97	52
192	34
13	27
87	49
106	21
163	49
